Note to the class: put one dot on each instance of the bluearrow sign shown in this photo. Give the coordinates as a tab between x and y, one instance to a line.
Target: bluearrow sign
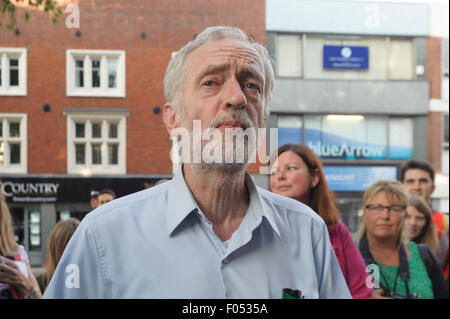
344	150
30	192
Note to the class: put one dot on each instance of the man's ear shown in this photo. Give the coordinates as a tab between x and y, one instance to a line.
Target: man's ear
432	189
169	117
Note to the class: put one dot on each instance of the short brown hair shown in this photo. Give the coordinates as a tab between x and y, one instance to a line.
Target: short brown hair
107	191
417	164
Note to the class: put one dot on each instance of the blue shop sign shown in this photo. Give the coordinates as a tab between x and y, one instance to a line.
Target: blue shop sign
357	178
345	57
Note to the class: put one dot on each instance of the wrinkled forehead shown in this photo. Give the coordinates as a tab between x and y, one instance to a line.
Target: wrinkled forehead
231	51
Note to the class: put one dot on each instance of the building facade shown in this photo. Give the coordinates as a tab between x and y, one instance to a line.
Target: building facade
80	107
353	84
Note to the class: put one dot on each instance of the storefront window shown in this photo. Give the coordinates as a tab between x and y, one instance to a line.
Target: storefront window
401	143
346	136
350	137
18	221
289	129
66	214
35	230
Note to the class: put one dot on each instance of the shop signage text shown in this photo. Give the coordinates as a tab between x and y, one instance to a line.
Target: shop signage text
344	150
30	192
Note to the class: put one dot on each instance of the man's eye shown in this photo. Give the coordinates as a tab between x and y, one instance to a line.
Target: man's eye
209	83
251	86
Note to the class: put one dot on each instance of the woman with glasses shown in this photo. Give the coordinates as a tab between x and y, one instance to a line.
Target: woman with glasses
297	173
397	265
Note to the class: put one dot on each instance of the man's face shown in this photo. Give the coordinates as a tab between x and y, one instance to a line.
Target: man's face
104	198
223	87
418	182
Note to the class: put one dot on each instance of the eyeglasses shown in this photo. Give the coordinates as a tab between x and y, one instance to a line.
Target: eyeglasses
393	209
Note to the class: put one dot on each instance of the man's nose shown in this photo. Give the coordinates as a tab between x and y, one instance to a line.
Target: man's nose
234	96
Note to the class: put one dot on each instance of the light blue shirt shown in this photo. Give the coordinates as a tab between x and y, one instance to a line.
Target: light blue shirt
158	244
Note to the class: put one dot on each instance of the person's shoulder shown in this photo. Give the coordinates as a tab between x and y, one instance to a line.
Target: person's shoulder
288	206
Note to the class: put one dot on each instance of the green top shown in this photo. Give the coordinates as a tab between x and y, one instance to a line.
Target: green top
419	281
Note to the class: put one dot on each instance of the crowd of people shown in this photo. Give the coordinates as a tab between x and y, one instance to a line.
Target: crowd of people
210	232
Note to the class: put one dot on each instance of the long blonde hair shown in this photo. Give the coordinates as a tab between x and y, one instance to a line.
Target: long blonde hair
393	190
429	234
8	243
57	242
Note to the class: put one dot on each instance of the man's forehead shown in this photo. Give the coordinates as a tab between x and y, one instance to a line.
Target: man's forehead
230	50
413	173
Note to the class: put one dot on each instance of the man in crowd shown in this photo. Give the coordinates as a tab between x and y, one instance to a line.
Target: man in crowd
418	178
105	195
93	200
210	232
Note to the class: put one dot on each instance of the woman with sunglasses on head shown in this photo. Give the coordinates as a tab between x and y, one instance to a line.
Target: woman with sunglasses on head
400	269
297	173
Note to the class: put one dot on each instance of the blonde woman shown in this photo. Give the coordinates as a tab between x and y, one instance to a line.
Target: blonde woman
16	277
57	242
419	226
402	273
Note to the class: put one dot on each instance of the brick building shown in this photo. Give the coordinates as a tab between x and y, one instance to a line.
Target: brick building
80	107
437	71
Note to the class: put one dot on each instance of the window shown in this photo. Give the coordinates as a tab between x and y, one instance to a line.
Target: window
13	143
445	157
401	59
96	143
390	58
13	71
289	56
95	73
401	143
35	230
349	137
289	129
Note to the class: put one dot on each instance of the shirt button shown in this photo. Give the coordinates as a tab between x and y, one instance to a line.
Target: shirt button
225	261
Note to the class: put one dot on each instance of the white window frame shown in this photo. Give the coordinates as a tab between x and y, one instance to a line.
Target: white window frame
7	167
88	56
21	55
89	168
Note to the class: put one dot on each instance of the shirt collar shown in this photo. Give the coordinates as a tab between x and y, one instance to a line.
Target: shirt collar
181	203
256	207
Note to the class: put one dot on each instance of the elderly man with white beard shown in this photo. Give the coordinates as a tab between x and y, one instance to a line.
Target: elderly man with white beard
210	232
